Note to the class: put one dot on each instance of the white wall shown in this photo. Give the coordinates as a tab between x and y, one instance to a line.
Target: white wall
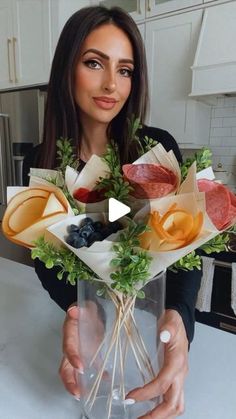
223	135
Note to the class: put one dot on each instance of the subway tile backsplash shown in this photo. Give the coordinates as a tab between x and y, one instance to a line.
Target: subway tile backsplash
222	139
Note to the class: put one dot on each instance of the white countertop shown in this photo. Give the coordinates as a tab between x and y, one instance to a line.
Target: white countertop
30	351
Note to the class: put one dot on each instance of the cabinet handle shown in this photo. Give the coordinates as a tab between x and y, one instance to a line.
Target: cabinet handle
139	7
148	6
14	57
9	61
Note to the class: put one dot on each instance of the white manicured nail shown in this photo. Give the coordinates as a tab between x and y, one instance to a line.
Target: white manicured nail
77	398
80	371
71	308
128	402
165	336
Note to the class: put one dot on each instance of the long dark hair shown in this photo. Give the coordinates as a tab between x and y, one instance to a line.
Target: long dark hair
61	112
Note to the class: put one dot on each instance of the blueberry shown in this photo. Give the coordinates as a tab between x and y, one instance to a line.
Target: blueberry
71	238
80	242
72	228
98	225
86	221
86	230
106	231
115	226
96	236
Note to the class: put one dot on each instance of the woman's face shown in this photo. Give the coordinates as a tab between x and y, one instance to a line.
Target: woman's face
103	74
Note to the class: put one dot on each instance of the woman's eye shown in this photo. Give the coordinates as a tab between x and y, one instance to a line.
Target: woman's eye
92	64
126	72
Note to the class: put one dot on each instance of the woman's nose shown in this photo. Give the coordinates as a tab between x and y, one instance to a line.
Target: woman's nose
109	82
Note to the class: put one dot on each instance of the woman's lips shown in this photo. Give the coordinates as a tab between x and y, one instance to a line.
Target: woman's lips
105	103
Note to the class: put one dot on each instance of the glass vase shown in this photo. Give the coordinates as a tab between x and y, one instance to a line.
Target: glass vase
119	346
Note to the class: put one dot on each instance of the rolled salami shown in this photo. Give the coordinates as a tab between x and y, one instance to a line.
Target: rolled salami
220	203
150	181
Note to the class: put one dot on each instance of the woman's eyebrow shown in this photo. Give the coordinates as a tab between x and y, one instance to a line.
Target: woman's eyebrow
106	57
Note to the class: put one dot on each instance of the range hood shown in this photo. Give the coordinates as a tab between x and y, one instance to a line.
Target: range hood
214	67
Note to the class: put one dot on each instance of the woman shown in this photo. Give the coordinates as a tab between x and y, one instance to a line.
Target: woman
98	80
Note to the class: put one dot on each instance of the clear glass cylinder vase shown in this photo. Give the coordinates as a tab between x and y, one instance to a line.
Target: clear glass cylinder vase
119	346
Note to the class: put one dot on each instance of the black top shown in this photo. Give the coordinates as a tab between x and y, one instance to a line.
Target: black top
181	287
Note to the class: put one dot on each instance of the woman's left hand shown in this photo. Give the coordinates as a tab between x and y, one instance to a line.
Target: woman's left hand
169	383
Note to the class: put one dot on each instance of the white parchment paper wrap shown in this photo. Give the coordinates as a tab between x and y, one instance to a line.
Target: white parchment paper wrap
88	178
99	255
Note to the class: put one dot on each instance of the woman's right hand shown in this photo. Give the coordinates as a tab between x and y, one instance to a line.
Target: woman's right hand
71	363
76	357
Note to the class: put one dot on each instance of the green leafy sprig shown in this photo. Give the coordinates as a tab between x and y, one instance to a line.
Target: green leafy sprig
71	201
66	155
62	258
149	143
232	229
133	126
217	244
193	261
187	263
131	263
202	158
67	194
114	185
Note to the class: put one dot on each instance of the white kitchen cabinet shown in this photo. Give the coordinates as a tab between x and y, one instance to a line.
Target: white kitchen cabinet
24	36
6	30
158	7
136	8
141	9
217	2
170	44
141	28
61	10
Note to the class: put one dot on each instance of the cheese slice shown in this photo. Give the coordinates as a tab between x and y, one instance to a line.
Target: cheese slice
27	213
29	235
53	206
14	206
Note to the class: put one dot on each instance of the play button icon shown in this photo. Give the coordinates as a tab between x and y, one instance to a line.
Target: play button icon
116	209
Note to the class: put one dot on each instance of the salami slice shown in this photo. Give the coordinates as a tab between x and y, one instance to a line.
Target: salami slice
220	203
149	180
89	196
206	185
232	212
232	199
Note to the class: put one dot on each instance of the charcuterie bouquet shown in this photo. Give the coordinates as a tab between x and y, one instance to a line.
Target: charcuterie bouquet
63	217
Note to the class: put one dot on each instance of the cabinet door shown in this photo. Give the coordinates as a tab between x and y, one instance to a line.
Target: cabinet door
31	49
170	44
158	7
136	8
6	56
141	28
61	10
